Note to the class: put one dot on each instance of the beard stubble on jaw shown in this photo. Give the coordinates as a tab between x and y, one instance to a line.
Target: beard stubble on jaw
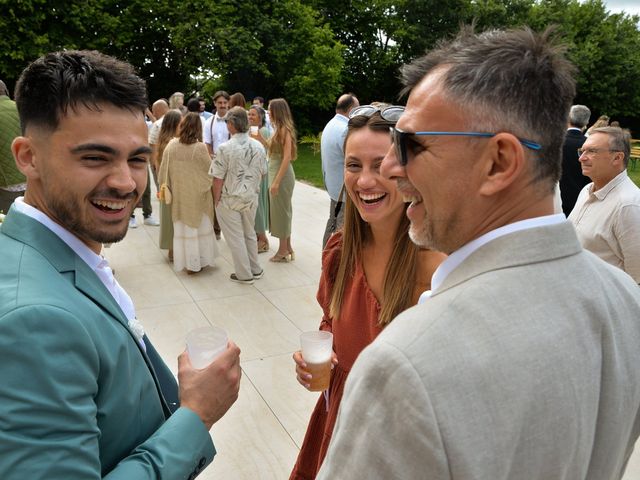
69	214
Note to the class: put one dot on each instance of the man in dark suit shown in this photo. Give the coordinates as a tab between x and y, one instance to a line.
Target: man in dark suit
572	180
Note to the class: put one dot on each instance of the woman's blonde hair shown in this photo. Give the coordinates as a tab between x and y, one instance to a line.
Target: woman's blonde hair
400	273
282	120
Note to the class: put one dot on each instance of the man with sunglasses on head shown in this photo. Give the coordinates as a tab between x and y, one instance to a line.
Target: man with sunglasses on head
607	213
522	360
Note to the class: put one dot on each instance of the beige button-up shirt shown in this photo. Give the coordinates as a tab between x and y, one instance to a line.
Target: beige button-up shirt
608	223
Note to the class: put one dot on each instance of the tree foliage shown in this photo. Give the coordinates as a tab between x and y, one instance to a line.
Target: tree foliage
605	48
309	51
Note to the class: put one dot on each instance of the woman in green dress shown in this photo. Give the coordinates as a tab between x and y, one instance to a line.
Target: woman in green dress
281	152
260	132
169	130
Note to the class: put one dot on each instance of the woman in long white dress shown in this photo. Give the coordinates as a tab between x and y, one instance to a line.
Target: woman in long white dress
185	167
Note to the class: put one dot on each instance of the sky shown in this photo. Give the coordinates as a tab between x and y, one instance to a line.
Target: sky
631	7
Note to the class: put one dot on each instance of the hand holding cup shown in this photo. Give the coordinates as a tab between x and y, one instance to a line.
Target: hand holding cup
210	392
302	374
317	354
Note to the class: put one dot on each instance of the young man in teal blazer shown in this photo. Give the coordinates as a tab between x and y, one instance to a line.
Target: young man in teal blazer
83	393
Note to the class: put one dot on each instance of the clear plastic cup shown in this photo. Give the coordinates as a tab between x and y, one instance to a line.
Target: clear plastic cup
205	344
317	348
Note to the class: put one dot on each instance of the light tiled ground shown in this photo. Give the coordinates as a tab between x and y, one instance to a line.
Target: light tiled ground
260	436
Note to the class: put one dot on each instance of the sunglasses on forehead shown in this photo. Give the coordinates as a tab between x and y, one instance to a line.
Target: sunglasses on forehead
399	138
390	113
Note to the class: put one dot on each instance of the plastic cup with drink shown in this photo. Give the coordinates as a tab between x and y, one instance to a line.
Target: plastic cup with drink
205	344
317	349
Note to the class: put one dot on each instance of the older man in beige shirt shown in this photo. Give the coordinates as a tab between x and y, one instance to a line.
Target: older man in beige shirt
607	213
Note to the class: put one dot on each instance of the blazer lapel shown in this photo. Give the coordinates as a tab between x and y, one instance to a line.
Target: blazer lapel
515	249
31	232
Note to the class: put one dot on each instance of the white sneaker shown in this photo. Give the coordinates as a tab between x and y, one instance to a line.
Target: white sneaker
151	221
133	223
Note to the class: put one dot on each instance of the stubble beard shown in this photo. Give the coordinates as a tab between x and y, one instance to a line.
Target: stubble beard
420	234
69	214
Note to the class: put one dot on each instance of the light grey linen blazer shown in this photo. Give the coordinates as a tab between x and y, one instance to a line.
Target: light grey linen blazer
524	365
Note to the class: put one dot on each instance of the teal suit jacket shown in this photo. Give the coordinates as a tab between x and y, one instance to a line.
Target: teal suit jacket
79	398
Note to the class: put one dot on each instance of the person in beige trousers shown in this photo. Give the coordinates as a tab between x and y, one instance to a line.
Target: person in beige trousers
237	171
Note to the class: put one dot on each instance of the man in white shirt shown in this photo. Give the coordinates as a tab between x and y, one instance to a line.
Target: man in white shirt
99	401
215	128
522	361
607	213
215	134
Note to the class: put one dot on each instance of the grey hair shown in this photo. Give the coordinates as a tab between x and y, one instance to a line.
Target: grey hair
514	81
238	117
579	116
3	89
619	140
261	114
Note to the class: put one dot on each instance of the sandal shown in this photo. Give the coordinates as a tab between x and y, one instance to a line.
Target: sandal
292	255
280	258
263	247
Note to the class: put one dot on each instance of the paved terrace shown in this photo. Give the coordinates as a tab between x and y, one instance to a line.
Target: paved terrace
260	436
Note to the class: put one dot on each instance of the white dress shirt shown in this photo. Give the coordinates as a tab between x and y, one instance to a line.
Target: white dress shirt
215	132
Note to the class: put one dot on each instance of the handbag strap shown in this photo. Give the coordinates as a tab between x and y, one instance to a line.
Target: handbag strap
164	165
336	210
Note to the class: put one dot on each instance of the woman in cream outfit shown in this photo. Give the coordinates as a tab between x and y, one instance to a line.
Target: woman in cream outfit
185	170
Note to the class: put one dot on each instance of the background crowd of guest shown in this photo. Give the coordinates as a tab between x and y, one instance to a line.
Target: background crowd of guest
184	217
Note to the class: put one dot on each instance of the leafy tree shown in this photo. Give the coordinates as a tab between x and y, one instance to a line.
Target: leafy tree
500	13
381	35
135	31
606	49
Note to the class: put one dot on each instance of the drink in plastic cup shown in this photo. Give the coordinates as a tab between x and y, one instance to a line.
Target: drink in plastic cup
205	344
317	347
254	129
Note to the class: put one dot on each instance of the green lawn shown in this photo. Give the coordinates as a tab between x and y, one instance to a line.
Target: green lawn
307	167
634	174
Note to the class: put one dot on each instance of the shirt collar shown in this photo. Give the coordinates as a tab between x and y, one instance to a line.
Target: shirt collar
459	256
78	246
613	183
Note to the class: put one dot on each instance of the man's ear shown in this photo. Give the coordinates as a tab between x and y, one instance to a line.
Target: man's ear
24	153
618	160
504	163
